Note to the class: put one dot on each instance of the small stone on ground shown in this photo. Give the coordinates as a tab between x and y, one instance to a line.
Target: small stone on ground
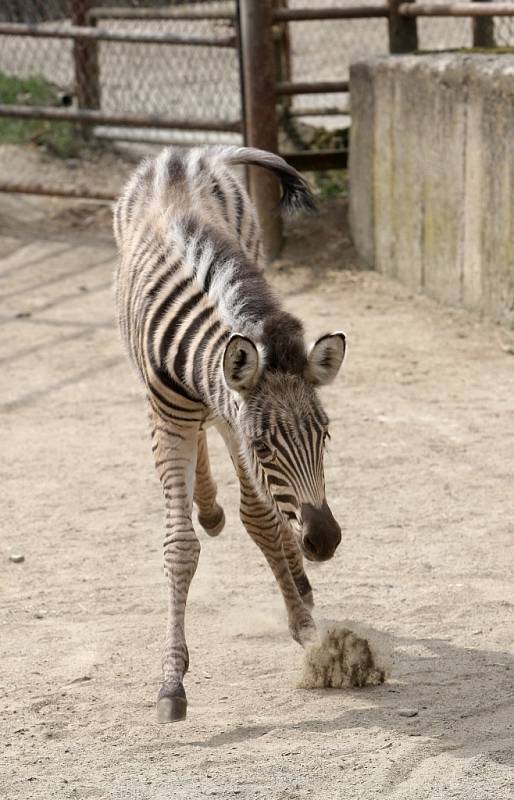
408	712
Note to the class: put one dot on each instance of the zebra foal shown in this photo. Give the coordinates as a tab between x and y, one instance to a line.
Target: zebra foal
211	344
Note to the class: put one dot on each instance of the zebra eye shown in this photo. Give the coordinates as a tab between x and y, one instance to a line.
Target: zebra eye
262	449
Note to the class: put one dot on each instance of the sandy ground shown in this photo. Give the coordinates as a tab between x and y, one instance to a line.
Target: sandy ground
420	474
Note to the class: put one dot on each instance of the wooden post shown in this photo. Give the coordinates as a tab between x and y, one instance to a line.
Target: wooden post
85	58
483	31
260	123
403	31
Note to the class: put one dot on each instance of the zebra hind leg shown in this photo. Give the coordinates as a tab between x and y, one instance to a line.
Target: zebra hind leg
210	514
175	448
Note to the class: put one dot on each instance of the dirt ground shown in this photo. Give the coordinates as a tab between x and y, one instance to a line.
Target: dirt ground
419	473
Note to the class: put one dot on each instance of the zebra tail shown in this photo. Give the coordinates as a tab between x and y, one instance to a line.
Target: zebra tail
296	194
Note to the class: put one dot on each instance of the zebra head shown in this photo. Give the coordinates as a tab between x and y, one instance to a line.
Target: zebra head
283	430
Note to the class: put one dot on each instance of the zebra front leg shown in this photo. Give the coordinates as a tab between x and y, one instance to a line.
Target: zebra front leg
260	521
210	515
295	561
175	448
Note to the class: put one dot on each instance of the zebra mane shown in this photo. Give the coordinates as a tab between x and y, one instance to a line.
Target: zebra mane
244	299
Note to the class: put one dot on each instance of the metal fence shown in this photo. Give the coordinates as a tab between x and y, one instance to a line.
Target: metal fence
131	76
76	110
504	32
140	74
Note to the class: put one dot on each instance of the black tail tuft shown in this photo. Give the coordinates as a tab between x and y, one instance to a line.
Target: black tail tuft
296	194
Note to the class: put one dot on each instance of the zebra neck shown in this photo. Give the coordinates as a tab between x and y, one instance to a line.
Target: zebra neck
235	289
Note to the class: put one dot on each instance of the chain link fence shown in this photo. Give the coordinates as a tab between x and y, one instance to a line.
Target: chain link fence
504	32
136	78
171	92
193	87
323	51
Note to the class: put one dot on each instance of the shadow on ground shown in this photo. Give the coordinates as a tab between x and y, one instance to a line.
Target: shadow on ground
444	681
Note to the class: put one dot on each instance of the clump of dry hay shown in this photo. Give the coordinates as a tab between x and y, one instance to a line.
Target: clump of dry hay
341	659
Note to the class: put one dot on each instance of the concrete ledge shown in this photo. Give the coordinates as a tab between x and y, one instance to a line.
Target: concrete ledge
432	175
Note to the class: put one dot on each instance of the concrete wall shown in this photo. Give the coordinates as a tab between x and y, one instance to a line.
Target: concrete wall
432	175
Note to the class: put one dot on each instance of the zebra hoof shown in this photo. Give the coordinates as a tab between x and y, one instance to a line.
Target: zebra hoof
213	524
303	630
171	705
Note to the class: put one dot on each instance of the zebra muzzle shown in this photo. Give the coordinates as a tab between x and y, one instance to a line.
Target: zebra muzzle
321	533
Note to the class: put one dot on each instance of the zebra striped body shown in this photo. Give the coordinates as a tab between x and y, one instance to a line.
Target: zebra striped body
211	344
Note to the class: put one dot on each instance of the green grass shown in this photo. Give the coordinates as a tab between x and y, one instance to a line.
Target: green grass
60	139
331	183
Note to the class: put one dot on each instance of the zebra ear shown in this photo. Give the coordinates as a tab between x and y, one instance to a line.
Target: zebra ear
241	363
325	358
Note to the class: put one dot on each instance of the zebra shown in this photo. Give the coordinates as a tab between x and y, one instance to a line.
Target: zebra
212	345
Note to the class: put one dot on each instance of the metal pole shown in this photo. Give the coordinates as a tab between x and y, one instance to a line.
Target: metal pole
317	14
83	192
260	125
103	118
483	32
482	8
85	57
111	12
308	87
89	33
403	31
282	43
